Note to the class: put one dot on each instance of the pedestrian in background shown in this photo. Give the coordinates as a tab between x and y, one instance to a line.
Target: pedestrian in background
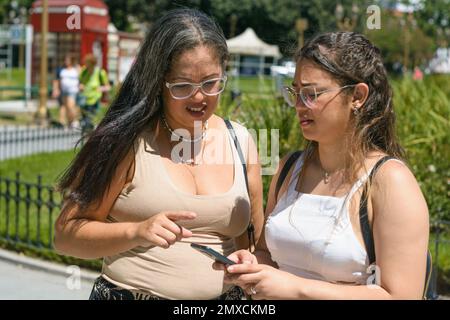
65	89
93	84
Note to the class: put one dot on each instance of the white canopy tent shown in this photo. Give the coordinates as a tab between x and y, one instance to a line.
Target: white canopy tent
248	44
440	62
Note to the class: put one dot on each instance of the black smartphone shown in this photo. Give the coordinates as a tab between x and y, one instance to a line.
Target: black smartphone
213	254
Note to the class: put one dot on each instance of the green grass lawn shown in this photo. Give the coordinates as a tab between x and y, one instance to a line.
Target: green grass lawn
49	165
31	222
254	86
16	119
15	79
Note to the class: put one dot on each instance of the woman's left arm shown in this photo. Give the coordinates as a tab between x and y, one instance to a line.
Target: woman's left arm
255	194
400	229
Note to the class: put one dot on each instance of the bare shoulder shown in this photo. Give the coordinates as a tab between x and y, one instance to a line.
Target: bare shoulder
400	229
394	173
218	123
99	209
247	142
396	190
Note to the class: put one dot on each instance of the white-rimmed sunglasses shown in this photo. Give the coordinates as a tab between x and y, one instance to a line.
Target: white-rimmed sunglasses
209	87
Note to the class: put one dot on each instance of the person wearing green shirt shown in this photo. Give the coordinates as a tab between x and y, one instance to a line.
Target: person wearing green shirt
93	83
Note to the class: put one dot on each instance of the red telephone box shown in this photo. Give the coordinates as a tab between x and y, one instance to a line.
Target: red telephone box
75	27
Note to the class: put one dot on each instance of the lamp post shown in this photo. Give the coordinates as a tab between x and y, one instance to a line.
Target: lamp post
43	90
344	23
301	25
407	22
18	16
233	23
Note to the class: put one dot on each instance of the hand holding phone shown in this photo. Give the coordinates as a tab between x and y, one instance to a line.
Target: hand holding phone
213	254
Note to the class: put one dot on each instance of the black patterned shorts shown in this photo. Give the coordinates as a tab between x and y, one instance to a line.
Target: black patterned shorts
105	290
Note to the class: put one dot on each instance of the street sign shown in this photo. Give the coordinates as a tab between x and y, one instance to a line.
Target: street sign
17	34
12	34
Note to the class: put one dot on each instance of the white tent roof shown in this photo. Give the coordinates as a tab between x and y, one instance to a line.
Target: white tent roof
248	43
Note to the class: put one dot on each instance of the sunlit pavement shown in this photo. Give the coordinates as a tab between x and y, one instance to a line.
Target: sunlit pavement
30	282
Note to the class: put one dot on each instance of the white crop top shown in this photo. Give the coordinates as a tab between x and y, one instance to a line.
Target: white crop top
311	236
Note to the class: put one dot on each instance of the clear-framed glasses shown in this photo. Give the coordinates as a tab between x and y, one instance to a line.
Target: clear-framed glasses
184	90
307	95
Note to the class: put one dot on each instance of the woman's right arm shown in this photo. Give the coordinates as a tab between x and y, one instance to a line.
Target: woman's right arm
86	234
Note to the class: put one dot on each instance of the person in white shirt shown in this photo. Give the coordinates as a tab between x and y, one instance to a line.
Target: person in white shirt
65	88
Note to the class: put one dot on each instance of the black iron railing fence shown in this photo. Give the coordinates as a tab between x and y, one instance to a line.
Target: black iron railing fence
27	211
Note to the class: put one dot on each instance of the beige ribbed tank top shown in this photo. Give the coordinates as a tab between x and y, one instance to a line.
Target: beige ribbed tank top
178	272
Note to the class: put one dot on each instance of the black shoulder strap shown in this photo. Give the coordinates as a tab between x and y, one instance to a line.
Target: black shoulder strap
239	150
363	216
285	170
250	228
429	292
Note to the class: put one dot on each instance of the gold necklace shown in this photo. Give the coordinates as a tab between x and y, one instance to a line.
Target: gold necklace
191	161
180	137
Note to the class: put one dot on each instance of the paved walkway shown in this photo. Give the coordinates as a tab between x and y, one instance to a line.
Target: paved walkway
19	141
20	106
24	278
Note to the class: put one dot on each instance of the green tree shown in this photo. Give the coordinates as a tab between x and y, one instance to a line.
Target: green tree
434	19
273	21
124	13
401	39
6	6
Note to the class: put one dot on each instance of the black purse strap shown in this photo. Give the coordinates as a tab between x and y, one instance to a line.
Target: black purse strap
364	217
429	292
250	228
285	170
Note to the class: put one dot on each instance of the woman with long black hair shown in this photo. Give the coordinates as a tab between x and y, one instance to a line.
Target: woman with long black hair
142	187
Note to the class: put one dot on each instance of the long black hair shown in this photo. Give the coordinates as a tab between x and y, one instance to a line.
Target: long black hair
138	101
